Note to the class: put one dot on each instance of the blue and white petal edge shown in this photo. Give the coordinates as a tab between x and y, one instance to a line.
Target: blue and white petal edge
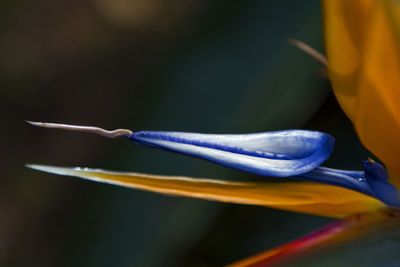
277	154
296	153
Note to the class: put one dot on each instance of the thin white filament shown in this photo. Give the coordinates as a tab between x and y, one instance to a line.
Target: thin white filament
87	129
309	50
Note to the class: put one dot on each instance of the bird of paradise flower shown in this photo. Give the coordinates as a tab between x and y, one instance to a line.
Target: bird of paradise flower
363	63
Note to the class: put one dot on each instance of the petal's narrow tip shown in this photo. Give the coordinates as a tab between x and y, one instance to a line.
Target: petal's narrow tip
35	123
278	154
87	129
42	168
32	166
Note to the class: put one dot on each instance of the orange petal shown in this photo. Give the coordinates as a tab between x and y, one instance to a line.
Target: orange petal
378	117
312	198
344	23
364	67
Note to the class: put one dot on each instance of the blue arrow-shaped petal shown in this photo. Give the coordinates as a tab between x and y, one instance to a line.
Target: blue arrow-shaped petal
278	154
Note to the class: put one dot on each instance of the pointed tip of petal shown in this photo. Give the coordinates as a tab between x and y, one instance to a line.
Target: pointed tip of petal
36	167
68	171
44	168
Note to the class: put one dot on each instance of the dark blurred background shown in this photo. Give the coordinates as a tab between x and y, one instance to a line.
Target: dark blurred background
182	65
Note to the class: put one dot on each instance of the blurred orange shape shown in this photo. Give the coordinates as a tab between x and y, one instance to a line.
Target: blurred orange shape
361	39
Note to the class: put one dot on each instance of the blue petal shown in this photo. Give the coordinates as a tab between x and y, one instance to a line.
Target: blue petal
278	154
353	180
373	181
377	178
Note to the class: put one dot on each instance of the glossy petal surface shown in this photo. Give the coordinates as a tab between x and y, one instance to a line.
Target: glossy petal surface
312	198
278	154
373	181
